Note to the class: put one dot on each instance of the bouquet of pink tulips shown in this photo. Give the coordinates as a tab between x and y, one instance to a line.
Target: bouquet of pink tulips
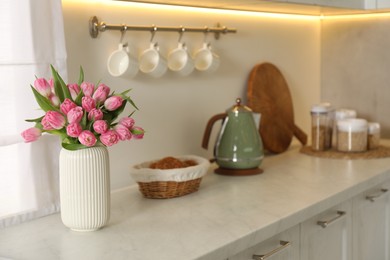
81	114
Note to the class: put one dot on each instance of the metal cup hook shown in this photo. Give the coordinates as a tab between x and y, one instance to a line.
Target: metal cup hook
181	32
206	31
123	32
153	32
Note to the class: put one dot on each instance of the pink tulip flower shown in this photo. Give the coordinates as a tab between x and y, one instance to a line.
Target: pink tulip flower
88	103
67	105
74	130
51	83
43	87
32	134
109	138
54	100
74	90
75	115
46	125
87	88
123	132
127	122
87	138
95	114
113	103
138	132
100	126
55	119
101	93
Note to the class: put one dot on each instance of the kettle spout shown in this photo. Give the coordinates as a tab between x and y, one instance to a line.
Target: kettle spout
257	119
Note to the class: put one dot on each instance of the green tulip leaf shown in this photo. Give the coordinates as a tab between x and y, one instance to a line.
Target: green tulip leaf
39	126
79	97
57	85
131	102
137	131
124	93
39	119
114	114
42	101
132	113
73	147
84	121
81	76
60	88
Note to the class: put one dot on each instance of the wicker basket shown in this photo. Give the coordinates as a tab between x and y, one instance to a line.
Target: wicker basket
171	183
168	189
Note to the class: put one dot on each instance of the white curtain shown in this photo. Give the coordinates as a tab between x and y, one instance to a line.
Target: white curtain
32	38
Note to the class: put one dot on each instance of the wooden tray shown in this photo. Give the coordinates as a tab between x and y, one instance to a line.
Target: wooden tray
380	152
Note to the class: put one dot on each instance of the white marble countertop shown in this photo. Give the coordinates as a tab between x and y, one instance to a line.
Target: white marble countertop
227	215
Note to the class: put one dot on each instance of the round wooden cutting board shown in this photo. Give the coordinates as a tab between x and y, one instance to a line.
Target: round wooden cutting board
268	94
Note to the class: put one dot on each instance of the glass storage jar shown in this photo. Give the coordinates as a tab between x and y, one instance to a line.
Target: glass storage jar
374	135
352	135
322	126
339	114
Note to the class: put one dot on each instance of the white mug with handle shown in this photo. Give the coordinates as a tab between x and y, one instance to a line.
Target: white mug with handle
180	61
205	59
151	62
121	63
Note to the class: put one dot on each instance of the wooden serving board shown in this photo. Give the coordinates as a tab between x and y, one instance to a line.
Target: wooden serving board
269	95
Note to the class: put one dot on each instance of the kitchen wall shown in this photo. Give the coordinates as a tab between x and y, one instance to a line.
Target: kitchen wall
355	65
174	110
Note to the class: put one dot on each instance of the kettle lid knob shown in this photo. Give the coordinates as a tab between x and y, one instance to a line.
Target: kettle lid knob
238	107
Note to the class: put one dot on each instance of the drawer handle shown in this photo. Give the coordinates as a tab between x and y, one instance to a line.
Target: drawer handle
283	245
373	197
325	223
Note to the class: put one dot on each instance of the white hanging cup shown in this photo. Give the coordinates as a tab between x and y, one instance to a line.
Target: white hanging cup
121	63
151	62
180	61
205	59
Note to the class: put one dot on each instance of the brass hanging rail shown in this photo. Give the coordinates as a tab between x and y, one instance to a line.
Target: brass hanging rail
95	27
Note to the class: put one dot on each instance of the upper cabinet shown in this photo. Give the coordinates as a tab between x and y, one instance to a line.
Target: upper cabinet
306	7
382	4
354	4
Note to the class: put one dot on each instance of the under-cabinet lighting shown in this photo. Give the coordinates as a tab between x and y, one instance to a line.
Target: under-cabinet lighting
173	8
357	16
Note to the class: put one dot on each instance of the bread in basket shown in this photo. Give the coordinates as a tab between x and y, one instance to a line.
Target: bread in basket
170	183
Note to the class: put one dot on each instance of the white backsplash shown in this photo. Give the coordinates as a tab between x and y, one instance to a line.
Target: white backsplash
355	66
174	110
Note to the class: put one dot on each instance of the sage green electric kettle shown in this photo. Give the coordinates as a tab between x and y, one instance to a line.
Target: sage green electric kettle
239	145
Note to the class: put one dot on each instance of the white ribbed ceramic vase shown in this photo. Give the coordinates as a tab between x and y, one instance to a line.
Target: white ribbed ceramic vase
85	188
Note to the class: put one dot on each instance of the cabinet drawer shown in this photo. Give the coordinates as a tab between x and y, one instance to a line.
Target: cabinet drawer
280	247
328	235
371	224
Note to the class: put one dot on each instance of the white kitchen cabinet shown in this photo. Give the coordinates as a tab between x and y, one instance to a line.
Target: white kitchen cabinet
381	4
354	4
284	246
357	229
371	221
328	235
309	2
314	7
350	4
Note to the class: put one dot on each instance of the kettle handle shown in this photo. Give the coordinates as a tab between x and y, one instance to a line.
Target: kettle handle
207	132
